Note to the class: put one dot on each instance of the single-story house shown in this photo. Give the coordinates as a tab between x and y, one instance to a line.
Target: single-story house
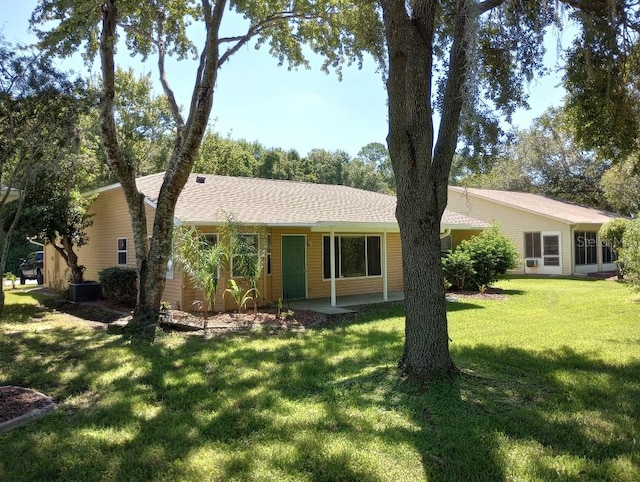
553	237
307	228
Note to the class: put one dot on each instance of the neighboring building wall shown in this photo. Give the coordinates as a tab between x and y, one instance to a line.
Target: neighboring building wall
457	235
111	221
514	223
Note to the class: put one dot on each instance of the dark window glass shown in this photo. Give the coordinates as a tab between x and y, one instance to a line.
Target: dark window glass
356	256
607	254
552	245
122	251
585	247
532	245
352	257
374	258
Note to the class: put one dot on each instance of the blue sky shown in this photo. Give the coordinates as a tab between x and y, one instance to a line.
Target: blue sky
305	109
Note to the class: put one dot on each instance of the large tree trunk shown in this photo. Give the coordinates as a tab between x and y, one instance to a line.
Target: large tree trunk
422	172
152	259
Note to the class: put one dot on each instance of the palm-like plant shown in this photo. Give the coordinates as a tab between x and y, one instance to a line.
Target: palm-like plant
200	261
240	295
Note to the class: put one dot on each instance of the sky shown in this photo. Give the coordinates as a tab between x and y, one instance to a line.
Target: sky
302	109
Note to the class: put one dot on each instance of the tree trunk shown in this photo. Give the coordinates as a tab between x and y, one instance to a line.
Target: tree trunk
152	259
70	258
422	172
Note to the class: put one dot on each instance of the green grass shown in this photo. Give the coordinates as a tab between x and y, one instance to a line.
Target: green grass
556	396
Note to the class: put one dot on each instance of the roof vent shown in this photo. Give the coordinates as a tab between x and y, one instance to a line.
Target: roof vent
200	179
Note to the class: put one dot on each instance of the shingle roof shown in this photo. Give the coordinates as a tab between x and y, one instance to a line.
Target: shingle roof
536	203
278	202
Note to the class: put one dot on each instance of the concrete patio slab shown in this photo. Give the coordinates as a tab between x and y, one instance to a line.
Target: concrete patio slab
323	305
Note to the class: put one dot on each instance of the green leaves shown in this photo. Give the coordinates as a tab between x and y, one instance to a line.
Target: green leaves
491	254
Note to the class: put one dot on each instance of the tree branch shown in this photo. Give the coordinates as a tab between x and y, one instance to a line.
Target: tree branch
454	93
487	5
171	98
258	27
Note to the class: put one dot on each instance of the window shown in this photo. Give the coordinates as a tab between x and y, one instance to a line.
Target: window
551	250
445	244
608	256
248	246
356	256
211	239
586	247
122	251
532	245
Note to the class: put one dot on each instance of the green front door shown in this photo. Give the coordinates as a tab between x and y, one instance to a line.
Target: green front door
294	276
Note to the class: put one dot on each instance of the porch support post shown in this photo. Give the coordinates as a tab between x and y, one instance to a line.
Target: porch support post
385	288
332	259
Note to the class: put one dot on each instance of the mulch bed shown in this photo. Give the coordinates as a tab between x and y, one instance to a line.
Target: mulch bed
231	321
16	401
489	294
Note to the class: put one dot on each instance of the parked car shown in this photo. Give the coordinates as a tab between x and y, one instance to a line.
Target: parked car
31	267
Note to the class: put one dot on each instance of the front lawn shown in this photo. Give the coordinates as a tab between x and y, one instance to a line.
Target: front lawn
555	396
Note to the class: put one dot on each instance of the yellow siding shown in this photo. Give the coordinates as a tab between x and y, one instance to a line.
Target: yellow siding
110	221
457	235
514	223
317	287
193	299
394	262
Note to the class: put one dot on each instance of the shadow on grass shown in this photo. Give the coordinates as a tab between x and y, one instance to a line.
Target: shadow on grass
327	405
23	312
462	305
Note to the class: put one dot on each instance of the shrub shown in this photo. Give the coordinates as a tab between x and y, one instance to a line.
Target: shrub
120	284
492	254
457	268
612	233
630	253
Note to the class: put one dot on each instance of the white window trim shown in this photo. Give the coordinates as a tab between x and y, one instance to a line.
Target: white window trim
125	251
350	235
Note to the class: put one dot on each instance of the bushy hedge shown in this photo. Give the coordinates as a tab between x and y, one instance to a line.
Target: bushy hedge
120	284
630	253
479	261
458	269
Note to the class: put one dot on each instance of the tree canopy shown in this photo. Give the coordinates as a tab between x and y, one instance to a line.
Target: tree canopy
339	31
40	109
